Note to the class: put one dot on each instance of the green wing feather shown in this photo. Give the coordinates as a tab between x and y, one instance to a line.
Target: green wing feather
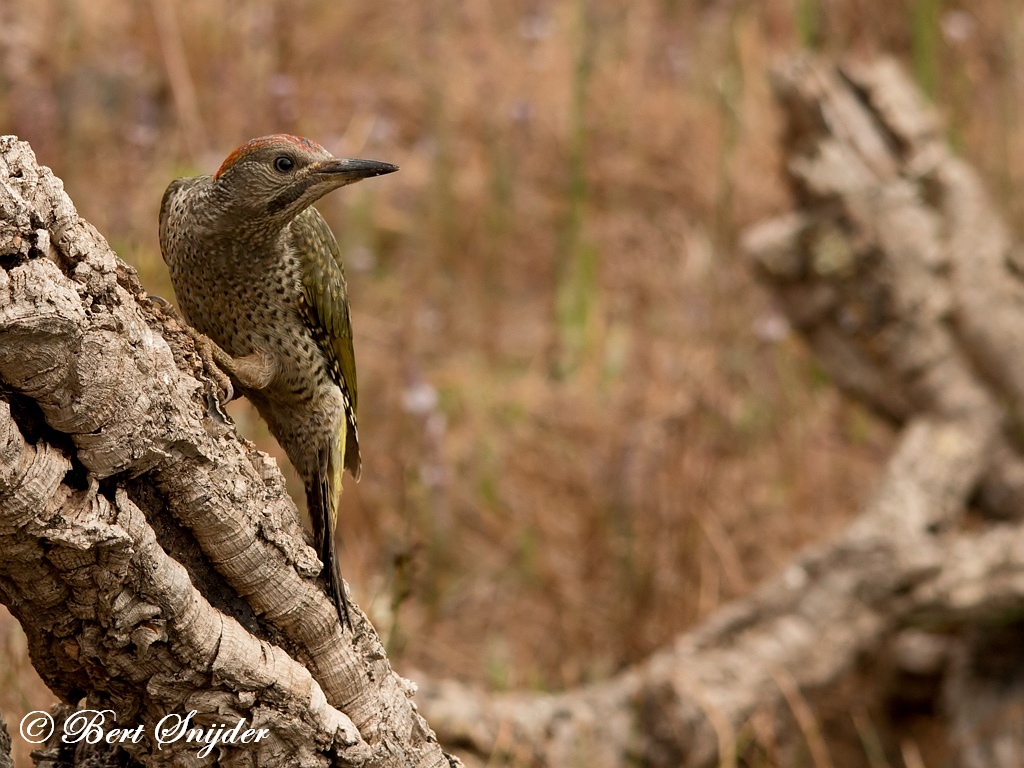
323	277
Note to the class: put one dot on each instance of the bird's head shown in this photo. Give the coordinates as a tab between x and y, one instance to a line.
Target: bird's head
271	179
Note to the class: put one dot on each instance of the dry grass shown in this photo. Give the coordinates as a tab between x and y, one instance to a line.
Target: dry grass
585	427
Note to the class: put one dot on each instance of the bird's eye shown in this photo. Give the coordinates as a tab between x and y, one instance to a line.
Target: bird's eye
284	164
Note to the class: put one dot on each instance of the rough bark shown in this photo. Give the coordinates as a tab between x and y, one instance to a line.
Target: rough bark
905	283
151	555
6	761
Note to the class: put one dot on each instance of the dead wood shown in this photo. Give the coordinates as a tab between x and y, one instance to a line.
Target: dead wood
151	555
905	283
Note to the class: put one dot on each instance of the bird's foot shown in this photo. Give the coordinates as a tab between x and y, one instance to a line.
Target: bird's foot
216	364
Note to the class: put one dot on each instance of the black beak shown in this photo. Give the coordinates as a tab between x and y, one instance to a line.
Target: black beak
353	170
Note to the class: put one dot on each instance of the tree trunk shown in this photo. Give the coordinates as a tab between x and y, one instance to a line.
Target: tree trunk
151	555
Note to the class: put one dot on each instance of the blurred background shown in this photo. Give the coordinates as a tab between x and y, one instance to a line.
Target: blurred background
585	427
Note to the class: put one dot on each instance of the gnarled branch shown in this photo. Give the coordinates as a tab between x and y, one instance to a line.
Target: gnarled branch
151	555
905	283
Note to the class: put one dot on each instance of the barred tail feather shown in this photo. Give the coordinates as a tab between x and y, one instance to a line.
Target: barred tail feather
322	497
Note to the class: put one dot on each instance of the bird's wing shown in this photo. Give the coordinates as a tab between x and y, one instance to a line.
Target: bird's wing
326	292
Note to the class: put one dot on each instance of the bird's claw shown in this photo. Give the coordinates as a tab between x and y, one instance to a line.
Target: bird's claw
210	355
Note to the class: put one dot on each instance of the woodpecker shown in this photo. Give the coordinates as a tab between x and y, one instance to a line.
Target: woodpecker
256	269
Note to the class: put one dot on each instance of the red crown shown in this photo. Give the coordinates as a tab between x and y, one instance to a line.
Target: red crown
265	141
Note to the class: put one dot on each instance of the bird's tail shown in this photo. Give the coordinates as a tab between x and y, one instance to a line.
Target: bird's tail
323	495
